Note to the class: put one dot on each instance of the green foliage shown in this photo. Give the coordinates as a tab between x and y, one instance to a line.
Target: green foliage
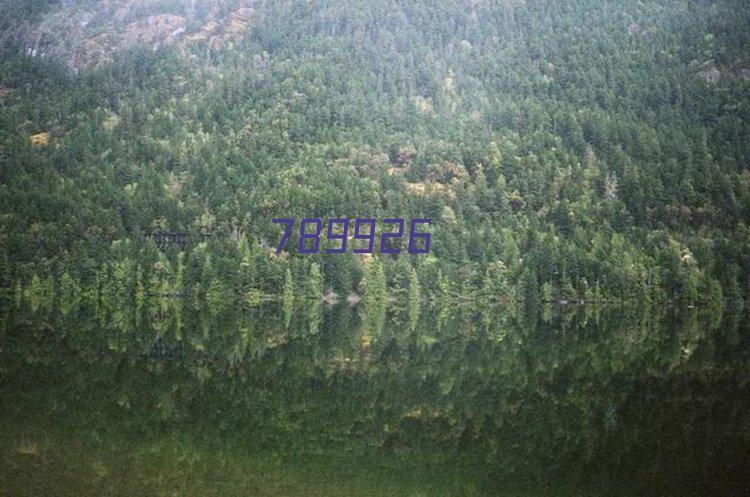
375	295
217	296
529	290
562	388
415	299
69	293
574	143
314	282
288	297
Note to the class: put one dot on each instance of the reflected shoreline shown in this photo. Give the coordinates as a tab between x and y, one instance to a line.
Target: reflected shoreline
452	401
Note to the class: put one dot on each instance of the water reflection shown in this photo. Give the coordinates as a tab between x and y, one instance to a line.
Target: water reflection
298	398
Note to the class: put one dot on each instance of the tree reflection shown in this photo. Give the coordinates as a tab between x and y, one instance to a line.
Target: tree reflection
573	393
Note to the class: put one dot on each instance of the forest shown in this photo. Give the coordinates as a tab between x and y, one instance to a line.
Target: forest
445	248
569	151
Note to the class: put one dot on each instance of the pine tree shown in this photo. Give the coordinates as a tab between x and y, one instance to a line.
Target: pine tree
415	299
529	290
288	297
314	282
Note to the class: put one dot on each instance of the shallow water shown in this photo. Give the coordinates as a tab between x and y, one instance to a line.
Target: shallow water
166	399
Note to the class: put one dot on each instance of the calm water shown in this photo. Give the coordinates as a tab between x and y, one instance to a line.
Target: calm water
166	399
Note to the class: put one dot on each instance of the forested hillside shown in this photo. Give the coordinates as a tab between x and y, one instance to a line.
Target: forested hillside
578	149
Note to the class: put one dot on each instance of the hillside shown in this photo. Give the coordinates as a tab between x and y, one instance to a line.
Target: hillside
573	150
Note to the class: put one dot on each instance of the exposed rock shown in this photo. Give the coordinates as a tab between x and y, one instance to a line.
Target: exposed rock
204	33
710	75
245	14
155	29
423	105
92	36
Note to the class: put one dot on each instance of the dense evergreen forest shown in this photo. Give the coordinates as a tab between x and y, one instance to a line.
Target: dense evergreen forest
587	150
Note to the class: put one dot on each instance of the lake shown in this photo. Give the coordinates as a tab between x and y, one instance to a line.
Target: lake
163	397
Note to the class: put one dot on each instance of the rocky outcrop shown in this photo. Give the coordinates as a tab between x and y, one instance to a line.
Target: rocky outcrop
714	74
90	35
710	75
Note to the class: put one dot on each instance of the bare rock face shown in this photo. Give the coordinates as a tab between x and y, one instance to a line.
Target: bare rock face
90	35
710	75
634	29
155	29
733	71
